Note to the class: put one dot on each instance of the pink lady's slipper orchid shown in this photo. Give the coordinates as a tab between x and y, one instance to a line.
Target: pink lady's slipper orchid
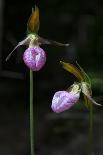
64	100
34	56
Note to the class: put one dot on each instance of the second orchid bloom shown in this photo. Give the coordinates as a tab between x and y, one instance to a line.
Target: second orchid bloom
64	100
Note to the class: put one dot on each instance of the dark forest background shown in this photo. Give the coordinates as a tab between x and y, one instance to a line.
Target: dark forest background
81	24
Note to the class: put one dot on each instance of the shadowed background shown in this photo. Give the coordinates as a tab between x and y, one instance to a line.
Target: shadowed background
81	24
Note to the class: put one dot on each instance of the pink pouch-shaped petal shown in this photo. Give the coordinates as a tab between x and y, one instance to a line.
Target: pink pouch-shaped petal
64	100
34	58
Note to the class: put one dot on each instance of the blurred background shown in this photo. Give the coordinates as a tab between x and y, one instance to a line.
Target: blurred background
81	24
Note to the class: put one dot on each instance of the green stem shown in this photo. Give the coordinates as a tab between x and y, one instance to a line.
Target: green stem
31	115
91	130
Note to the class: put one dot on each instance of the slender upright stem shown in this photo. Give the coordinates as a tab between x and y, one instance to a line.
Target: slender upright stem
31	115
91	130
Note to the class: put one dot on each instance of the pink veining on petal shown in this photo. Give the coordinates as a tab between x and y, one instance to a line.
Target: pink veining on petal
34	58
64	100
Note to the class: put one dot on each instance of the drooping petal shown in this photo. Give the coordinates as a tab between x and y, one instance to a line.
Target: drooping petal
51	42
64	100
91	99
34	58
23	42
86	90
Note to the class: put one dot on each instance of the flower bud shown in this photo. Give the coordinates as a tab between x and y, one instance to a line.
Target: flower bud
34	58
63	100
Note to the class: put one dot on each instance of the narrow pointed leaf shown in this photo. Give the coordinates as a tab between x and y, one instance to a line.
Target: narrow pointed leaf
73	69
33	22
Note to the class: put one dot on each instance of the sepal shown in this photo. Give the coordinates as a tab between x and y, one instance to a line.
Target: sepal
33	22
73	69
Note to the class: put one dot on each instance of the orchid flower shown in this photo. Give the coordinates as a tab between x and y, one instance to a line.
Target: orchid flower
64	100
34	56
